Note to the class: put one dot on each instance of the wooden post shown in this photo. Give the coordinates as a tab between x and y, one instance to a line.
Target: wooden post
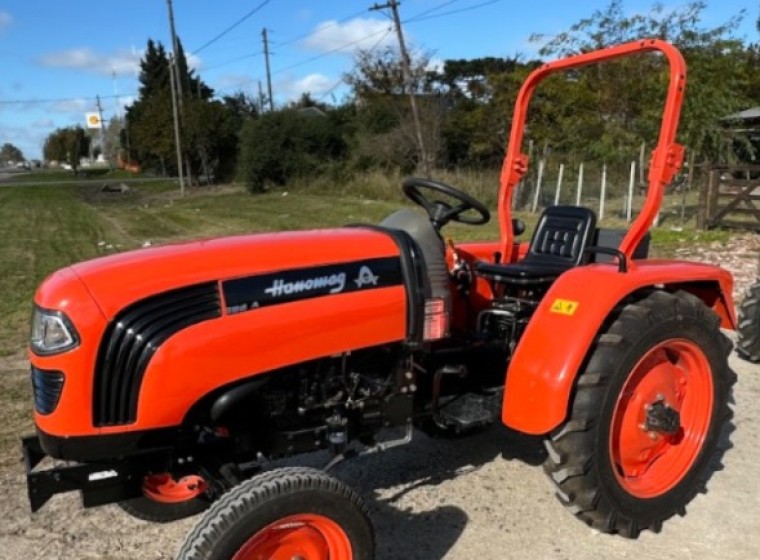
538	185
702	201
580	185
603	192
629	203
559	183
713	188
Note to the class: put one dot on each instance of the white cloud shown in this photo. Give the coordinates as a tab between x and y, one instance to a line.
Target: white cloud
5	20
315	84
358	33
122	62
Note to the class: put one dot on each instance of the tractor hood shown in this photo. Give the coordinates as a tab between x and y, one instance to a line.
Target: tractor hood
118	280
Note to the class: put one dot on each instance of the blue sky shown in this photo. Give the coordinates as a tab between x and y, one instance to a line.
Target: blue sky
57	56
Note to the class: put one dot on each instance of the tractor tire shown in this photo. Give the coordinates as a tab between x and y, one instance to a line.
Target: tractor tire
284	513
625	460
168	500
748	339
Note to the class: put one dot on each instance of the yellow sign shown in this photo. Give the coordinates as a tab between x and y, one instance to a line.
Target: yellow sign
93	120
564	307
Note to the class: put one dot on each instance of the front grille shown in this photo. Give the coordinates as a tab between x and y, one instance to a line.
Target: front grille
47	386
133	337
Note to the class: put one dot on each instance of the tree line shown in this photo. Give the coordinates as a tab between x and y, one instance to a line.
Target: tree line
606	113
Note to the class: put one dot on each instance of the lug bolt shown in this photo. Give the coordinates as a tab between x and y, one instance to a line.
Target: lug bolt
408	375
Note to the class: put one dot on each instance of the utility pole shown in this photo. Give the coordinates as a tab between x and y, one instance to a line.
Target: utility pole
177	95
269	73
177	140
103	139
406	68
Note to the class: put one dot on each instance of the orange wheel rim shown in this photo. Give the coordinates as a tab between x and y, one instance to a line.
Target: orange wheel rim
164	488
298	537
672	386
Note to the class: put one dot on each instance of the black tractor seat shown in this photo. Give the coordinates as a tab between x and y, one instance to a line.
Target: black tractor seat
562	234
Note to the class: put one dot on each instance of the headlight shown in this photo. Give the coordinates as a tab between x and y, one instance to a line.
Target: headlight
52	332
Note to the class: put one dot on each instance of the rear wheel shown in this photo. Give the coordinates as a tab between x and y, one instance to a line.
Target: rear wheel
166	498
647	416
748	340
284	514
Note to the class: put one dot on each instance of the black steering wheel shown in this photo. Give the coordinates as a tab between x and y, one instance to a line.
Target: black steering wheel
441	212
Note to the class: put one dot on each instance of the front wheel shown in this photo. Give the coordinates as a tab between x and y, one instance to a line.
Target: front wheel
284	514
647	416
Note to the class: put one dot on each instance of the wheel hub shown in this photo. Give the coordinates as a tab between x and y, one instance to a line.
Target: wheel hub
662	418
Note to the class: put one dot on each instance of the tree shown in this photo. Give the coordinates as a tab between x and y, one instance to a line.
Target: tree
10	153
284	145
387	136
208	130
628	94
67	145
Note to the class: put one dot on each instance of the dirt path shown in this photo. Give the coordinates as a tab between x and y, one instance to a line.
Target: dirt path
483	497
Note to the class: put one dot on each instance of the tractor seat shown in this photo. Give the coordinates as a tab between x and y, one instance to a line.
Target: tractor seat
562	233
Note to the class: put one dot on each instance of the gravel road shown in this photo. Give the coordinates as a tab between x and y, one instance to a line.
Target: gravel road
484	497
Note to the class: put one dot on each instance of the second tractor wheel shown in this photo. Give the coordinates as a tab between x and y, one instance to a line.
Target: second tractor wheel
167	499
647	416
287	513
748	339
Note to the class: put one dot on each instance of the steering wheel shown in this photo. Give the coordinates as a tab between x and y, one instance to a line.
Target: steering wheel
441	212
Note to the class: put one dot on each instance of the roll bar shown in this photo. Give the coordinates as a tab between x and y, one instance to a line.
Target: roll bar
666	160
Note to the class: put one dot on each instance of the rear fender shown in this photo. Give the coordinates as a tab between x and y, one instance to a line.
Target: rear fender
541	375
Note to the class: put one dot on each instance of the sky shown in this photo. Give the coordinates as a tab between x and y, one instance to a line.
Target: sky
56	57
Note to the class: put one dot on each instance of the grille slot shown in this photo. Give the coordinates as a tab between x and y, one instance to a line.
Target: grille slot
131	339
47	386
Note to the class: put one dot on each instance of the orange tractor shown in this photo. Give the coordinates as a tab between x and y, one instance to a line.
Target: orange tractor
171	376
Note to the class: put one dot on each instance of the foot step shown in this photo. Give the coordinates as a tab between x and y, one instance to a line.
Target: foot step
470	411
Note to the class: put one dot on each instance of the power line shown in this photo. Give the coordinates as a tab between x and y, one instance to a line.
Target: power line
433	9
339	82
231	27
418	17
61	99
331	51
292	40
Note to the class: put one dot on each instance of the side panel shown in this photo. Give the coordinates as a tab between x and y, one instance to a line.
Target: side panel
542	372
211	354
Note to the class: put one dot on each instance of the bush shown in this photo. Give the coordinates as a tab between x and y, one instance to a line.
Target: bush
286	145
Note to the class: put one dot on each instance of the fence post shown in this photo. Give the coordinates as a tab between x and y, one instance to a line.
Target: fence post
559	183
713	189
603	193
629	203
580	185
540	178
704	188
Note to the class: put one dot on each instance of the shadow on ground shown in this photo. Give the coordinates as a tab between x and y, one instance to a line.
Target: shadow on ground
385	479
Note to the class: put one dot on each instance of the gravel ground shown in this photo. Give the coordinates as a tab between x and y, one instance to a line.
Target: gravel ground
483	497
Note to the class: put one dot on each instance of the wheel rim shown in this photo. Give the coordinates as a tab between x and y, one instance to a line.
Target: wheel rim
298	537
671	382
165	489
